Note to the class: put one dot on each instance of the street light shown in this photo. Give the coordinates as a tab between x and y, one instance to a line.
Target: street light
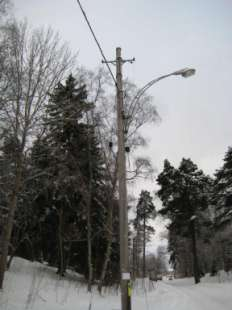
186	72
123	214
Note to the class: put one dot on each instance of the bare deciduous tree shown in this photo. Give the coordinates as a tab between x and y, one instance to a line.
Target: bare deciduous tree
36	61
137	113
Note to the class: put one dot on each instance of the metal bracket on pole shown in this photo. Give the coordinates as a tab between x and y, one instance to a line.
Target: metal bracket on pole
114	62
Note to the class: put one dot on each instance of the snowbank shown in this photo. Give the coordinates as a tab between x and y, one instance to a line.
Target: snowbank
35	286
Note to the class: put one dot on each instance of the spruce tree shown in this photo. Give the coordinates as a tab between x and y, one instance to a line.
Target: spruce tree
75	191
222	193
222	202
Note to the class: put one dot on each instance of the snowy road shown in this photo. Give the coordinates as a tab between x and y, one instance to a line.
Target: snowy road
182	295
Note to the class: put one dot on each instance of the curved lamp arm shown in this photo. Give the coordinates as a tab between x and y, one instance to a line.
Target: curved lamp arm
186	72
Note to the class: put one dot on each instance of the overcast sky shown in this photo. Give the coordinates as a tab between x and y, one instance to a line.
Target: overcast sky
163	36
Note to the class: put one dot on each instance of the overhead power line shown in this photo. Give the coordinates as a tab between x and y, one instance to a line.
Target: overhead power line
97	42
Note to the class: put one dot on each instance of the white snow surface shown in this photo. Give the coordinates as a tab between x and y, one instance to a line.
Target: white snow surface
35	286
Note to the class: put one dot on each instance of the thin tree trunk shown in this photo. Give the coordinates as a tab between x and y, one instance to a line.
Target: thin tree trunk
109	226
133	258
89	201
144	247
109	246
10	221
14	250
10	260
61	270
138	271
137	257
194	251
89	237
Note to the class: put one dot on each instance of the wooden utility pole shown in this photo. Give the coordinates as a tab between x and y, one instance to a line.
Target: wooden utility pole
123	212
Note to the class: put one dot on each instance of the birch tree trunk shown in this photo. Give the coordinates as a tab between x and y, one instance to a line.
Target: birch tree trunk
7	230
109	245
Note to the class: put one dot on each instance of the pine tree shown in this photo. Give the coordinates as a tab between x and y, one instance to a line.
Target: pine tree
184	193
145	210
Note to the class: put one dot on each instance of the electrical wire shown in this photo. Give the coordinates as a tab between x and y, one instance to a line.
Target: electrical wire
97	42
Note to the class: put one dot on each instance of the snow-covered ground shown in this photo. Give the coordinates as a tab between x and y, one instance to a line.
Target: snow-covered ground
35	286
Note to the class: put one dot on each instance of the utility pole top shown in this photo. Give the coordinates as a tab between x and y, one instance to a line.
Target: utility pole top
118	54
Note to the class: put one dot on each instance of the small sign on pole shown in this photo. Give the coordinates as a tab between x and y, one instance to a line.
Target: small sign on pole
125	276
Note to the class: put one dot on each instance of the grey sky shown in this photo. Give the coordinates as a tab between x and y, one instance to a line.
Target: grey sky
163	35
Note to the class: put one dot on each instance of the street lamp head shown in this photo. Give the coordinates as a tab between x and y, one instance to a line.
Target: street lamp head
186	72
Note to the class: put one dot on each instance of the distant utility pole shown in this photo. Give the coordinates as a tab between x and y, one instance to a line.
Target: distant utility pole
123	213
